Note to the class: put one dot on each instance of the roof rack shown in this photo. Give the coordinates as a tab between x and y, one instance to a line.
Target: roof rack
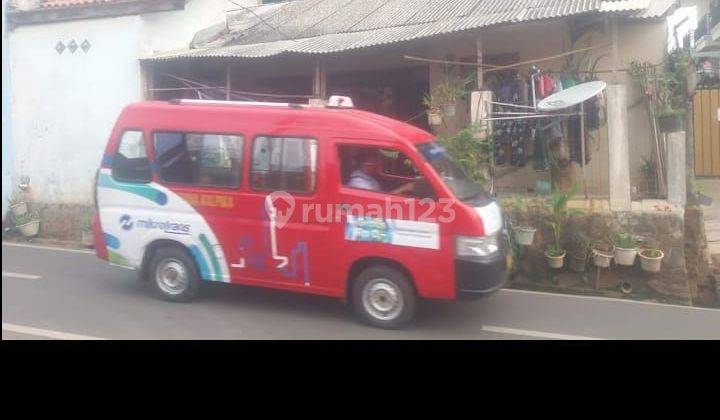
334	101
233	103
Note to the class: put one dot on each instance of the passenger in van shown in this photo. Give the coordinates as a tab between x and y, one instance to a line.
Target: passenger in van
364	176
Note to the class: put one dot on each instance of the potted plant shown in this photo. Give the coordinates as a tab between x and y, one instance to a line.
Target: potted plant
86	234
702	198
625	249
522	231
17	204
651	259
433	111
559	213
670	117
649	172
663	92
446	94
555	256
671	120
28	224
603	253
579	251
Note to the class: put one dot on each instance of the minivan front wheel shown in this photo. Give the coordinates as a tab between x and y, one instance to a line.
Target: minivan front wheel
383	297
173	275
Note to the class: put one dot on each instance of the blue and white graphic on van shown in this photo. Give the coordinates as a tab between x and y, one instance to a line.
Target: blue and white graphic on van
139	216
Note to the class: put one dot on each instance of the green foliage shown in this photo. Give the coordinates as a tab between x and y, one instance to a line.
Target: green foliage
648	167
664	90
555	251
86	221
448	91
15	198
651	252
26	218
470	153
698	189
580	244
625	240
559	213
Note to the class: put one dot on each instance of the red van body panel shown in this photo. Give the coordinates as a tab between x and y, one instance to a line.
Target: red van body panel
321	259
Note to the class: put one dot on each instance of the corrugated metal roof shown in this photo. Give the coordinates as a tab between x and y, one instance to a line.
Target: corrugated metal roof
330	26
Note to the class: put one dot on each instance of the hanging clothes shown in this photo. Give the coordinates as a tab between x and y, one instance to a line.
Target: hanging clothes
541	157
548	85
558	84
592	114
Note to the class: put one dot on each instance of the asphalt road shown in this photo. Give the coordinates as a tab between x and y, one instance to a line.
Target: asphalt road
62	294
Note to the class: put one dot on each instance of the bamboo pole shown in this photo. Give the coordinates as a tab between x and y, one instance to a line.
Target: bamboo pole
509	66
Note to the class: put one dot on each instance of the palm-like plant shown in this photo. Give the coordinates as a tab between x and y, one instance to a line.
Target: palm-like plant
559	214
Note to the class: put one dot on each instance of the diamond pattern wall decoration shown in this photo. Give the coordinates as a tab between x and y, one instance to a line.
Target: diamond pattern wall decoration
59	47
85	46
73	46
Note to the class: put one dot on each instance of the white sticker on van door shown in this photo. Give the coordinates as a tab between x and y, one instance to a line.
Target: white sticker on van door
393	231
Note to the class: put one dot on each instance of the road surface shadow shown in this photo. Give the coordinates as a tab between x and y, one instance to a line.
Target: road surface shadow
457	317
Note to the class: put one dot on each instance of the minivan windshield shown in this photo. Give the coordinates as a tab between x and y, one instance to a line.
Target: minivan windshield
450	172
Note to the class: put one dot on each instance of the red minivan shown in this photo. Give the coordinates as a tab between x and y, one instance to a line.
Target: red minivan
328	200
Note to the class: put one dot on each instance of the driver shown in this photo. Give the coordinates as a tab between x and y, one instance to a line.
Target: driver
364	176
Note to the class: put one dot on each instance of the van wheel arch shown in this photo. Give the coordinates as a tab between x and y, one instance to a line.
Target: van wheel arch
361	264
150	250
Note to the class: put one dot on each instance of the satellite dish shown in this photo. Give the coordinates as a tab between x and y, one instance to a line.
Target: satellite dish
571	96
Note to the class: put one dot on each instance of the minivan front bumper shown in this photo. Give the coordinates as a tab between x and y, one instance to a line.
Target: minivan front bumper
481	276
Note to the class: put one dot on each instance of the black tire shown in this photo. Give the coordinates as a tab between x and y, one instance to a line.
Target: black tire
391	282
172	258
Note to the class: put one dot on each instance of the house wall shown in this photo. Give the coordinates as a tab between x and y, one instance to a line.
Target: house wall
63	106
639	40
6	179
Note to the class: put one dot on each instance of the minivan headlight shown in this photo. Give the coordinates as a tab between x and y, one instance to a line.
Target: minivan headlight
476	246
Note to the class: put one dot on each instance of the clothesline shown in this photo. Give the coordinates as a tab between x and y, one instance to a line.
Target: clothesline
492	68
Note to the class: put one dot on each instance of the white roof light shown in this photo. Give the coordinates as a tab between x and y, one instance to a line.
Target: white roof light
337	101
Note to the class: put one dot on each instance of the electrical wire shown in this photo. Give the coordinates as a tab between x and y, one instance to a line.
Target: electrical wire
263	20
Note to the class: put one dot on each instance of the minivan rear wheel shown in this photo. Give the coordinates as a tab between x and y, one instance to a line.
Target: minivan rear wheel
173	275
383	297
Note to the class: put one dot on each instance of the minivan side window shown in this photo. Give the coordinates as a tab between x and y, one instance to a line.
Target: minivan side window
381	170
210	160
130	163
284	163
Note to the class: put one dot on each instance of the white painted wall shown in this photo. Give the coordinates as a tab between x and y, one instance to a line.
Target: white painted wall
6	179
63	106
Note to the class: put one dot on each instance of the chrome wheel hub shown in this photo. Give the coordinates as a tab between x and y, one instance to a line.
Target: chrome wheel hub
382	299
171	276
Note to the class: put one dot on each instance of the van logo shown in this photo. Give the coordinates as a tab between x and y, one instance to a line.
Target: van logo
126	222
279	216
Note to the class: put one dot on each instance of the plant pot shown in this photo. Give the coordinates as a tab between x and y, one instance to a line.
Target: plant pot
30	229
625	256
704	200
449	110
524	235
555	262
671	123
577	264
626	287
18	209
86	238
543	187
651	264
602	258
434	118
